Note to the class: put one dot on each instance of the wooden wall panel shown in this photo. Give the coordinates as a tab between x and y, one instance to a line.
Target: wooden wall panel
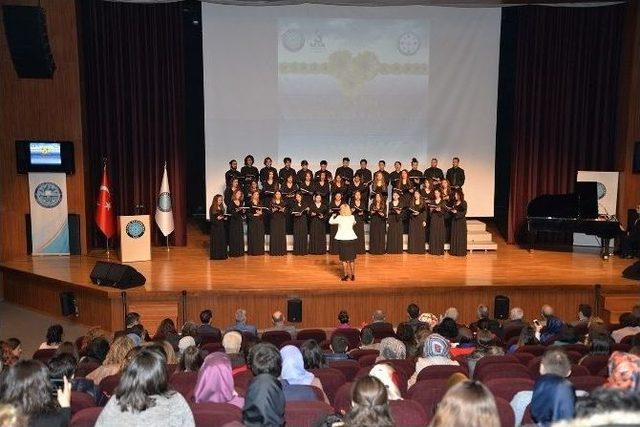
39	108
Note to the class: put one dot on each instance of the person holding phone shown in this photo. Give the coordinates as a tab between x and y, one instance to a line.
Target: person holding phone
346	240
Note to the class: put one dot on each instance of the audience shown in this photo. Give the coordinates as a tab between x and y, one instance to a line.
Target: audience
339	347
451	313
343	320
190	329
421	335
599	343
68	347
391	349
485	346
428	320
448	328
143	396
16	347
527	337
205	327
96	351
7	357
489	324
167	332
278	321
469	404
515	320
264	401
369	404
54	338
232	343
624	371
413	311
293	371
64	365
184	343
584	316
115	360
379	323
629	326
312	355
241	323
436	351
367	339
190	359
567	336
406	333
388	376
215	382
606	407
549	326
167	349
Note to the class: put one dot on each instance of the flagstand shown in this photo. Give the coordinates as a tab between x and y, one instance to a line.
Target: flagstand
108	252
167	237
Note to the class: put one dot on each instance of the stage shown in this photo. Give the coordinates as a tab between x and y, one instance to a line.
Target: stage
183	281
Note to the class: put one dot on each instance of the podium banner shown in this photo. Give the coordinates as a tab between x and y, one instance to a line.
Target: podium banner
49	214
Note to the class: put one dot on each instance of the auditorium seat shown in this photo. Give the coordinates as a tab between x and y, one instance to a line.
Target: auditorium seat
382	330
524	358
580	348
624	347
358	353
351	334
574	356
594	363
587	382
86	417
331	380
511	332
440	371
318	335
403	378
295	343
184	383
368	360
276	338
81	400
85	368
109	384
215	414
348	367
505	411
536	350
408	413
209	338
506	388
44	355
212	347
490	360
428	393
342	400
408	366
579	371
306	414
241	381
507	370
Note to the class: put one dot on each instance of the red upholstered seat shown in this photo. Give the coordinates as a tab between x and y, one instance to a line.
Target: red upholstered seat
342	400
526	418
403	378
580	348
44	355
215	414
213	347
524	358
210	338
295	343
86	368
428	393
241	381
579	371
587	383
80	401
507	417
408	366
624	347
536	350
86	417
368	360
276	338
306	414
312	334
440	372
506	370
348	367
351	334
534	367
506	388
184	383
408	413
511	332
595	363
574	356
493	360
358	353
331	380
109	384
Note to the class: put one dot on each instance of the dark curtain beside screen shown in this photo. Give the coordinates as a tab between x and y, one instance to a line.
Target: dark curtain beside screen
558	100
134	91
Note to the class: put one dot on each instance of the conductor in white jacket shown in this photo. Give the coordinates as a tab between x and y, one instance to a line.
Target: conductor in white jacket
346	240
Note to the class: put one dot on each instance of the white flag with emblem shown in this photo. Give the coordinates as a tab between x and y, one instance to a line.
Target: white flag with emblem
164	213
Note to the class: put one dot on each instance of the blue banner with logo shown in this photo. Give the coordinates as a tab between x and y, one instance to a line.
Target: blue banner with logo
49	214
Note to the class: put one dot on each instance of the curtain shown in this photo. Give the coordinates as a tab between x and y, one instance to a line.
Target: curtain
134	82
563	102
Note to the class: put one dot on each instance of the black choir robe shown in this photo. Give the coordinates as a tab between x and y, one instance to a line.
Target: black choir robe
255	229
218	240
324	190
318	216
231	174
236	229
346	173
385	175
249	175
377	228
395	230
268	190
300	228
417	218
300	175
437	230
278	236
459	230
333	228
327	175
376	189
394	178
286	172
455	176
307	191
416	177
342	189
359	212
406	191
364	174
434	174
264	173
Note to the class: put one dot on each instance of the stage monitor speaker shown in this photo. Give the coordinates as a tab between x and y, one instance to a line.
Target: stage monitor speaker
294	310
119	276
501	307
68	304
26	31
632	272
636	157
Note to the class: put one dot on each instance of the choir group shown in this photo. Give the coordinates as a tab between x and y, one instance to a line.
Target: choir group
429	206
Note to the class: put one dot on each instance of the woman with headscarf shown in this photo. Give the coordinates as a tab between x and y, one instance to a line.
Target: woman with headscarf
293	371
553	400
215	382
388	376
264	402
436	351
391	349
624	371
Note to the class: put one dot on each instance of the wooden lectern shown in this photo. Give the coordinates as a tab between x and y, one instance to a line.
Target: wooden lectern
135	238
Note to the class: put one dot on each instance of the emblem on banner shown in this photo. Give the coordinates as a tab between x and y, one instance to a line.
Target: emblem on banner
601	190
135	229
408	44
164	202
48	195
293	40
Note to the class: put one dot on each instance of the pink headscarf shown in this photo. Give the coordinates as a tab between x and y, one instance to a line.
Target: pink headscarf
215	382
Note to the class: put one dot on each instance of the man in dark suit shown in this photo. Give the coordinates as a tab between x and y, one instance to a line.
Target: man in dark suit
491	325
379	325
241	323
455	174
206	316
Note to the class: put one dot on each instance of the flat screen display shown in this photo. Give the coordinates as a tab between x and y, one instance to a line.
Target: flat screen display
41	155
45	153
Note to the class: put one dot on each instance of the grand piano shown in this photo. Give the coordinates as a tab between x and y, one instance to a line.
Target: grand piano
572	213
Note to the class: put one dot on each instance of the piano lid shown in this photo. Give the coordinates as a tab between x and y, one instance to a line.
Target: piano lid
555	206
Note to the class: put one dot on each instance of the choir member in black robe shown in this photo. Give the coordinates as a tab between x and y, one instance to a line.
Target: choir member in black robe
288	190
446	194
252	188
417	224
458	245
232	173
236	221
434	173
301	175
345	171
394	176
298	211
415	174
233	186
437	229
287	171
455	174
334	208
322	187
377	225
358	185
427	190
405	187
395	220
255	226
306	187
278	236
249	172
323	168
338	186
264	172
379	185
381	165
318	214
364	173
269	187
359	211
218	241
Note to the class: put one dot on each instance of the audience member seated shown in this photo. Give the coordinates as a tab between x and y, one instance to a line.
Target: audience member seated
10	416
137	334
278	321
67	347
64	366
599	343
185	343
388	376
379	324
114	362
26	386
549	326
491	325
96	351
369	404
143	396
553	399
515	320
629	326
435	352
241	323
367	340
583	317
391	349
205	327
606	407
339	346
413	311
597	325
343	320
468	403
485	346
7	358
448	328
293	371
527	337
54	338
130	320
167	332
312	355
264	401
451	313
406	333
232	342
421	335
215	382
466	344
190	329
248	342
190	359
567	336
16	347
429	320
555	367
624	372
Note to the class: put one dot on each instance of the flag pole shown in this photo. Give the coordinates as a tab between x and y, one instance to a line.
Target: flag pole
167	237
108	252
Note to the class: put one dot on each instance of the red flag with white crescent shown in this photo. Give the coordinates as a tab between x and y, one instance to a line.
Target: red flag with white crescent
105	218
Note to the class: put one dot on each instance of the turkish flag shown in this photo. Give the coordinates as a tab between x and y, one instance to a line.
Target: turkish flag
104	216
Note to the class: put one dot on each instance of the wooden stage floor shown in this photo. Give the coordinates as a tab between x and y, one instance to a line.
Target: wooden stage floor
480	274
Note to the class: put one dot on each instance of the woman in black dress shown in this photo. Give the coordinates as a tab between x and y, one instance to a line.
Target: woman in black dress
405	187
417	223
255	226
269	187
358	185
252	188
377	225
437	229
249	172
359	211
306	187
322	187
334	208
300	229
278	236
458	225
338	186
236	211
233	186
395	218
288	190
218	241
318	214
379	186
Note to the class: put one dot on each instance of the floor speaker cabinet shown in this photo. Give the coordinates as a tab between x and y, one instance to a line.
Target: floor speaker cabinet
501	307
74	233
632	272
119	276
68	305
294	310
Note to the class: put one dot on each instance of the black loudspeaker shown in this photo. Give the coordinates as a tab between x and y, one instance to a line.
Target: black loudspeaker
26	31
74	233
294	310
68	304
501	307
636	157
119	276
632	272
